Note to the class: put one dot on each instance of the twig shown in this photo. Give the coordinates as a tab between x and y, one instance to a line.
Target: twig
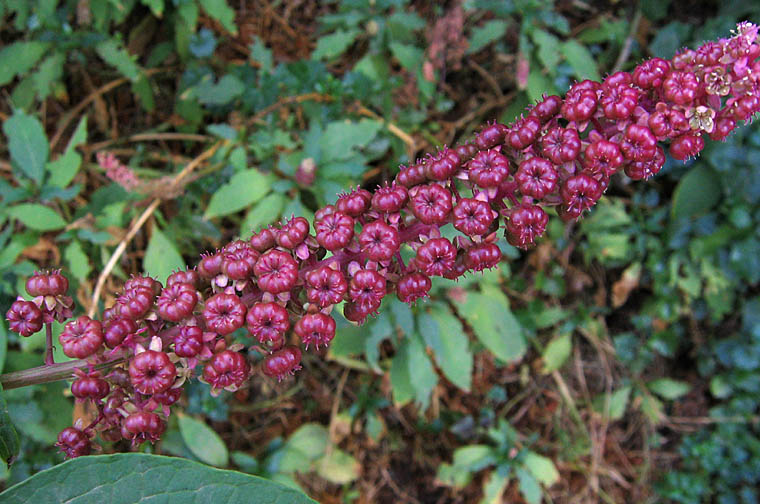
46	374
147	137
403	135
49	361
139	223
285	101
626	49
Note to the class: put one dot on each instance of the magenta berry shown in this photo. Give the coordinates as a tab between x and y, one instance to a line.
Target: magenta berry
686	146
176	302
651	73
547	108
151	372
639	170
334	230
189	277
354	203
24	318
315	328
188	342
325	286
488	168
224	313
472	217
367	287
580	193
293	233
210	265
561	145
227	370
431	204
51	283
74	442
681	88
443	165
491	136
436	257
536	177
263	240
268	322
117	329
379	241
276	272
580	102
602	158
389	199
526	223
482	256
90	387
413	286
282	362
81	338
135	302
143	426
524	132
238	259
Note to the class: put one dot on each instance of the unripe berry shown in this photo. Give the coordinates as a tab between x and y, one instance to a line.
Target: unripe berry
81	338
224	313
227	370
24	318
282	362
151	372
315	328
379	242
267	322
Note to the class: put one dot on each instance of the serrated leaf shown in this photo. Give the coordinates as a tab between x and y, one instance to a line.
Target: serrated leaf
219	10
37	217
161	256
340	138
202	441
556	352
117	56
28	145
444	334
697	192
338	467
77	260
243	189
138	477
668	388
330	46
580	59
18	58
494	324
542	468
263	213
9	442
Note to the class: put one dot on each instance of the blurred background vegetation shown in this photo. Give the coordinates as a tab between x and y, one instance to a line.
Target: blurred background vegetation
618	361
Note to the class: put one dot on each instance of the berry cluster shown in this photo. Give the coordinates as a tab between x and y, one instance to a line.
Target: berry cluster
281	285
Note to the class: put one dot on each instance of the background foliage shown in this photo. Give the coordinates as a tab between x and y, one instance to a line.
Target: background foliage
621	349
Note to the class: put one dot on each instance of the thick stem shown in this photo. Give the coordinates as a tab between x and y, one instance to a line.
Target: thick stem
50	373
49	361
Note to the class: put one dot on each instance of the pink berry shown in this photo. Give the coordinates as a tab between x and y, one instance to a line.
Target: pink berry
334	230
488	168
143	426
151	372
436	257
268	322
188	342
224	313
81	338
482	256
315	328
177	302
227	370
282	362
367	287
325	286
24	318
431	204
537	177
413	286
238	260
293	233
472	217
379	242
525	223
276	271
74	442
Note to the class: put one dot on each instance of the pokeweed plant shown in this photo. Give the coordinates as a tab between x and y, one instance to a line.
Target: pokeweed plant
282	284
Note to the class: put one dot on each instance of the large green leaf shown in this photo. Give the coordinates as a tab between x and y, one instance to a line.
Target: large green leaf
412	374
203	441
341	137
8	437
444	334
245	188
18	58
494	324
580	59
135	477
697	192
161	256
27	144
36	216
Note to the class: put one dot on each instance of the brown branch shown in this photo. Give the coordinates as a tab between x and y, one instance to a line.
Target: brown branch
51	373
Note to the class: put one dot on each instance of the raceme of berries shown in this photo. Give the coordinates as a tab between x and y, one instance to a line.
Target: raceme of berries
282	283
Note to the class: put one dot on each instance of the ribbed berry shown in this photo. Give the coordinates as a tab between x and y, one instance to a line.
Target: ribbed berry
276	271
367	287
74	442
602	158
51	283
413	286
143	426
358	312
117	329
442	165
188	342
81	338
189	277
325	286
523	132
24	318
263	240
666	122
282	362
686	146
466	151
580	101
651	73
389	198
151	372
580	193
90	387
267	322
482	256
177	302
135	302
144	282
334	230
354	203
619	101
536	177
547	108
224	313
638	143
681	88
561	145
435	257
472	217
431	204
227	370
411	175
639	170
293	233
525	223
488	168
491	136
238	260
379	242
315	329
210	265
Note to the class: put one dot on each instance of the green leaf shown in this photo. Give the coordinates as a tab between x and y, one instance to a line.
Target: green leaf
542	468
338	467
494	324
412	374
529	487
243	189
484	35
557	352
77	260
473	458
138	477
156	7
219	10
63	170
3	344
117	56
9	442
342	137
697	192
202	441
580	59
409	56
539	84
443	332
547	49
668	388
28	144
36	216
333	45
18	58
493	488
263	213
618	403
49	71
227	89
161	256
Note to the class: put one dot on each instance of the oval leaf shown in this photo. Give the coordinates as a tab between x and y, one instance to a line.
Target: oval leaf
27	144
494	324
138	477
36	216
697	192
202	441
668	388
8	437
161	256
245	188
557	352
